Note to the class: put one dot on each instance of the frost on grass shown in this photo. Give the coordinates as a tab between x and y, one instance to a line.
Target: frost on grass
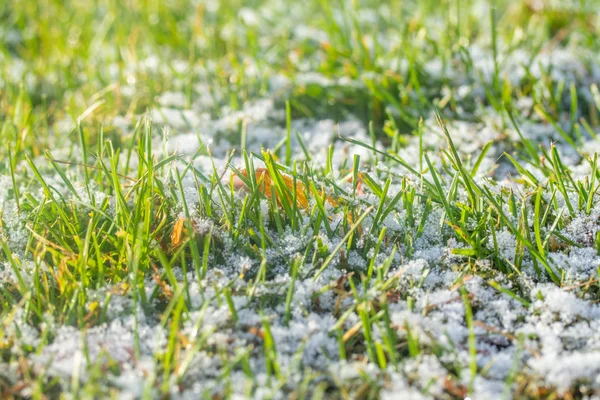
385	318
554	340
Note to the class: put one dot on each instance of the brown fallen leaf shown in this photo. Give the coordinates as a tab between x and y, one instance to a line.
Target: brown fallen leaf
266	187
257	332
264	176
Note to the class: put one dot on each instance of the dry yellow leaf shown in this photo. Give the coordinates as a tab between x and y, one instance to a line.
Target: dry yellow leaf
177	233
267	183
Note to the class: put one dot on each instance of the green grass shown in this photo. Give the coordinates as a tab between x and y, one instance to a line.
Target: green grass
103	224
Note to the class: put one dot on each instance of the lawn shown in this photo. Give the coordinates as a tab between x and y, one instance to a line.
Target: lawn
269	199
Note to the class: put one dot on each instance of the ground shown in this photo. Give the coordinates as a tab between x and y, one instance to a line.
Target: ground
269	199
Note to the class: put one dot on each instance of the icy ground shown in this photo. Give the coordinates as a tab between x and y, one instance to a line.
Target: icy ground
531	334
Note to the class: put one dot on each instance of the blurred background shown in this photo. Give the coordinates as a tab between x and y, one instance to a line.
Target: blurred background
390	62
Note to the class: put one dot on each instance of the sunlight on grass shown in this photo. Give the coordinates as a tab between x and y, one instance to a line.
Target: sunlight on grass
269	199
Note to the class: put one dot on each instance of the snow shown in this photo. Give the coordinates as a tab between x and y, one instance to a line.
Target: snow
555	341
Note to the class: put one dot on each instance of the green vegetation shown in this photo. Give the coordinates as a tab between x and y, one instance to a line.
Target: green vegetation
334	199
